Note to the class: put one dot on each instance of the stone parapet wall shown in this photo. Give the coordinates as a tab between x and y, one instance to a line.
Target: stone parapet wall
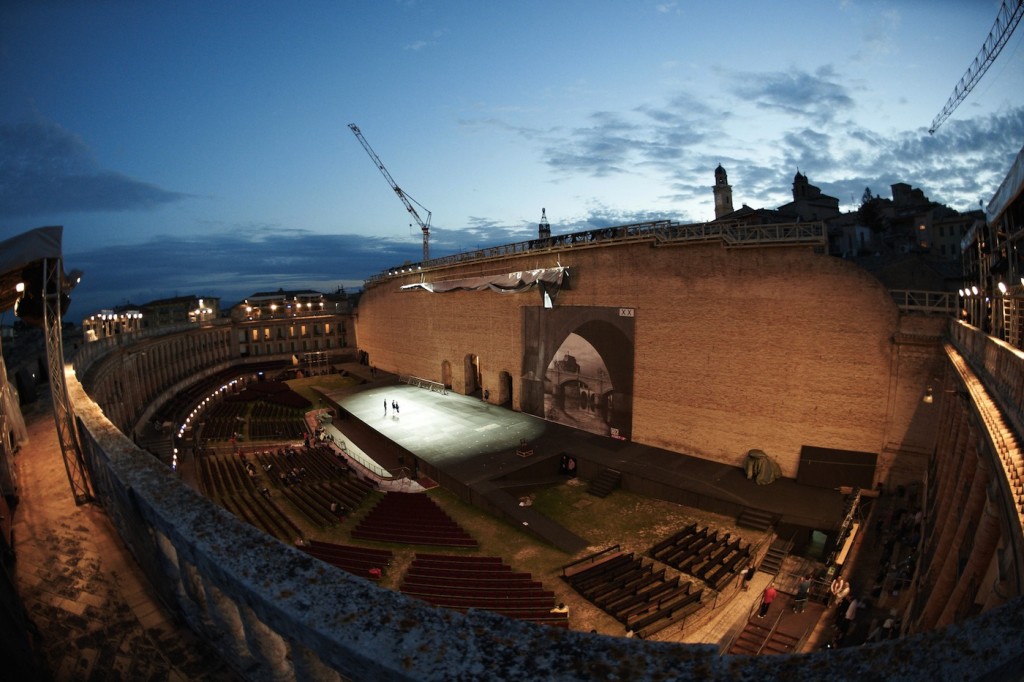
276	614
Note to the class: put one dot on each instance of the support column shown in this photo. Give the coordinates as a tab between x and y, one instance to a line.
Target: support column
973	517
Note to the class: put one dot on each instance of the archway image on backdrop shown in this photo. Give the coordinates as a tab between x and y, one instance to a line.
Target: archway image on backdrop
578	368
577	387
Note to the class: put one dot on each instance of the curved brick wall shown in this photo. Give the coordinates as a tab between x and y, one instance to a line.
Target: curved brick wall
769	348
276	614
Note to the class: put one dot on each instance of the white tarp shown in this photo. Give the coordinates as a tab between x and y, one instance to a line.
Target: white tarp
1011	188
19	251
511	283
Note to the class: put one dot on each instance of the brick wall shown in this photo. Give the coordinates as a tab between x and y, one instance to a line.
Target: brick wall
768	348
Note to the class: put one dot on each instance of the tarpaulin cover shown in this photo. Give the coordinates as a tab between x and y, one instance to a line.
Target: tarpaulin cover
512	283
761	467
19	251
1009	190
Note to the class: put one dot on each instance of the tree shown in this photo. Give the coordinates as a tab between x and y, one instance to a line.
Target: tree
871	212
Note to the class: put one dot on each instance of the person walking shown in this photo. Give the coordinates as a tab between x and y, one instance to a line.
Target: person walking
766	600
748	575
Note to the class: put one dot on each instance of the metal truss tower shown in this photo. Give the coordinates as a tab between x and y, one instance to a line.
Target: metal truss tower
1006	21
54	290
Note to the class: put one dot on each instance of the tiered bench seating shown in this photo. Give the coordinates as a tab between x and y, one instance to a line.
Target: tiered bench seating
632	592
232	488
469	582
705	554
312	481
360	561
175	410
411	518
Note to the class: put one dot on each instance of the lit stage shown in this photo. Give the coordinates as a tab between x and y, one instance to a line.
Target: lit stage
470	445
445	430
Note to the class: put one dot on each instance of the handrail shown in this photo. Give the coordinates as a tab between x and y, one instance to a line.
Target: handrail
591	557
419	382
775	626
803	639
659	233
941	302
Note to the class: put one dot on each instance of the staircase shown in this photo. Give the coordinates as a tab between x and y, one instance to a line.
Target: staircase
607	481
756	519
759	639
776	554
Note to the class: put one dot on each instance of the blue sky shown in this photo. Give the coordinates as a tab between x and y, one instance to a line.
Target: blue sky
202	147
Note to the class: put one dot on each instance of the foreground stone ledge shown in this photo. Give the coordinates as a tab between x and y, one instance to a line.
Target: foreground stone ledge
267	606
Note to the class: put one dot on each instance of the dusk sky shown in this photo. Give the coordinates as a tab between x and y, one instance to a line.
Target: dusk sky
202	147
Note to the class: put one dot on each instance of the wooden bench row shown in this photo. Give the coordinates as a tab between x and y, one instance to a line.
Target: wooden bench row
411	518
492	603
415	538
521	583
703	554
462	583
459	571
673	609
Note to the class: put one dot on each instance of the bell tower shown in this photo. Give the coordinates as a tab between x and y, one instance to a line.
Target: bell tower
723	193
544	229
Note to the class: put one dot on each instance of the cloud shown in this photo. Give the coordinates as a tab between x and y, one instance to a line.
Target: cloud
46	169
653	136
879	34
230	266
818	97
964	161
599	150
435	38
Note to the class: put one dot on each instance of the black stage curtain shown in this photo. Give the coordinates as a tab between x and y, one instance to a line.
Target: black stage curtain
831	468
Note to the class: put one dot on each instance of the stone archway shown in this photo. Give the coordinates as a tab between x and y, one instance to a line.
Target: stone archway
446	374
505	389
472	372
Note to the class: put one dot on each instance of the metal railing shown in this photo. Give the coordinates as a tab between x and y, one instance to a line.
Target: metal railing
418	382
938	302
659	232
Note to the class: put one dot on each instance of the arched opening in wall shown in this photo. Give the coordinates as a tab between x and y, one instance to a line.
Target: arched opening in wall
446	374
505	389
472	375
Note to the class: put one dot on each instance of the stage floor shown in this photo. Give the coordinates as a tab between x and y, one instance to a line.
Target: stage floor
447	430
475	443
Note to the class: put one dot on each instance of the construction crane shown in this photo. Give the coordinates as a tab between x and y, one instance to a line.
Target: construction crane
1006	21
406	199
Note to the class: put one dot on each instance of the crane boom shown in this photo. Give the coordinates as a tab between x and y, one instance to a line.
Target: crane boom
1006	22
406	199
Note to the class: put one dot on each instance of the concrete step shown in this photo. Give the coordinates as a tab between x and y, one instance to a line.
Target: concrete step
605	482
755	519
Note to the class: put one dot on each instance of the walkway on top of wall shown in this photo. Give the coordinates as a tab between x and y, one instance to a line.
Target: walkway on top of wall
96	616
